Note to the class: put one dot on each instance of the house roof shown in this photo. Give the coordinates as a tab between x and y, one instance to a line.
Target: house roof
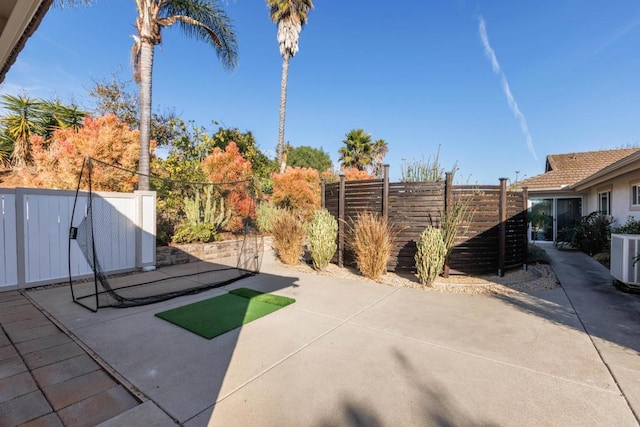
18	20
565	170
628	164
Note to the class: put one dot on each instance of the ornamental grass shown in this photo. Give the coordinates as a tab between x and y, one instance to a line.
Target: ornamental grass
288	237
371	238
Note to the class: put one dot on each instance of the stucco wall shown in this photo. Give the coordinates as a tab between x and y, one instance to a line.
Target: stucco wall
620	188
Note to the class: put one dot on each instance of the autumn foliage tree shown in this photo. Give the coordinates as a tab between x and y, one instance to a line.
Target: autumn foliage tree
57	162
354	174
297	189
234	175
350	174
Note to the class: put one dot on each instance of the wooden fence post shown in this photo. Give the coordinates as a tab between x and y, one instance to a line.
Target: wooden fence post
323	202
341	220
502	227
525	214
447	207
385	192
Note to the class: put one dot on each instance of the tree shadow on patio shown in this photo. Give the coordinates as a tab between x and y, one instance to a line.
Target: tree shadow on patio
434	405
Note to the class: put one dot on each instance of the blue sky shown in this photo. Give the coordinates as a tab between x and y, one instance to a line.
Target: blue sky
543	78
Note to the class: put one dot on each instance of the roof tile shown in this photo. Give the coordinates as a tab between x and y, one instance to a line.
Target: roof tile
567	169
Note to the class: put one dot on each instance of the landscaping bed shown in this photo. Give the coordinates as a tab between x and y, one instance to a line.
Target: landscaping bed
537	277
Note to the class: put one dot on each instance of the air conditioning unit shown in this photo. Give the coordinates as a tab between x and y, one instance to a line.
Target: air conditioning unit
623	265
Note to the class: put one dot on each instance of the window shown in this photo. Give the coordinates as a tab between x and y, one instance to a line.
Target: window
635	195
604	202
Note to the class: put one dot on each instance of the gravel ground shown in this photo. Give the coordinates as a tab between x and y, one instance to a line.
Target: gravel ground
536	277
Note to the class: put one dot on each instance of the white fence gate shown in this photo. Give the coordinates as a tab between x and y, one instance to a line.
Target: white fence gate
34	234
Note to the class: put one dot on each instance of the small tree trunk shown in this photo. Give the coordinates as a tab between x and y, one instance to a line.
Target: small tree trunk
283	110
146	68
21	156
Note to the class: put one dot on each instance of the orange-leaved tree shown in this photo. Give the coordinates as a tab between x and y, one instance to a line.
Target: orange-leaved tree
354	174
57	162
350	174
297	189
233	173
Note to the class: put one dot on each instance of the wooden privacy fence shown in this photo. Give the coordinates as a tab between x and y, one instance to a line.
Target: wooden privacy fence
494	240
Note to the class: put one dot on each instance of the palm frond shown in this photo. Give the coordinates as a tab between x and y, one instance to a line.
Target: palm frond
71	3
23	116
284	9
59	116
6	148
206	21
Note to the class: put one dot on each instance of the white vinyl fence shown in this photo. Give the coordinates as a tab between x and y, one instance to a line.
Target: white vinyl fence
34	234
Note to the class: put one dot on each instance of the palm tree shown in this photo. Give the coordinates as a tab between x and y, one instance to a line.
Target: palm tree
28	116
361	153
23	118
379	150
56	115
6	148
201	19
291	16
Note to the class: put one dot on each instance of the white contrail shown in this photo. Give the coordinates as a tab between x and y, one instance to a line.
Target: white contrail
495	65
621	33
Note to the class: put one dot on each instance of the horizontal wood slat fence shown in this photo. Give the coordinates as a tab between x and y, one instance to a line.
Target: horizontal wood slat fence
494	240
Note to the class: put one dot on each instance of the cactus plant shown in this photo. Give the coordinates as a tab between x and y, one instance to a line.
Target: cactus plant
322	232
192	209
214	211
430	256
203	220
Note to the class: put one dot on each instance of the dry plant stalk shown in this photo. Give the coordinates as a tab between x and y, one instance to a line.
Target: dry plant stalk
452	222
288	237
371	238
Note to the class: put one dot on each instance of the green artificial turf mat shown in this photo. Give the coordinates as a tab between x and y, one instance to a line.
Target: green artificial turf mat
215	316
262	297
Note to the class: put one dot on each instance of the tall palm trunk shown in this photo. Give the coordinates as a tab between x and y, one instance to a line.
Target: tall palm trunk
146	68
283	111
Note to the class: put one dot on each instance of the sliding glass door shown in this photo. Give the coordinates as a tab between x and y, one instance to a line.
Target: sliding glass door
568	212
549	215
541	219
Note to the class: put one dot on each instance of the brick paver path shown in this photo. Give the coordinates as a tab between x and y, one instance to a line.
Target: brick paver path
46	379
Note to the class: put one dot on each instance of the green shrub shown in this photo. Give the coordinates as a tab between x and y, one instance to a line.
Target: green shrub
265	185
165	222
630	227
288	237
537	254
371	238
591	234
266	214
190	233
430	255
603	258
322	232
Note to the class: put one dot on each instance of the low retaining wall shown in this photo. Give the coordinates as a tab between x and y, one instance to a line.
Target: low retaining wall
191	252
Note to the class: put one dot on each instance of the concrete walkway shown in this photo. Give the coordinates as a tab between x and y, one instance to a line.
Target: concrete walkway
609	316
362	354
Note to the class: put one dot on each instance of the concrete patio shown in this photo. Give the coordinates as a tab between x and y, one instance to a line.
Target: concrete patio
363	354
